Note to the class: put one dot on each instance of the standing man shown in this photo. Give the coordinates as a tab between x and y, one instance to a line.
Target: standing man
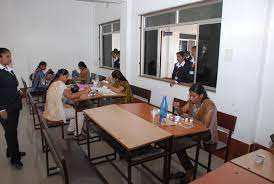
10	106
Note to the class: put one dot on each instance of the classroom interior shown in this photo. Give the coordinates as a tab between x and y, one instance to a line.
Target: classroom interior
230	44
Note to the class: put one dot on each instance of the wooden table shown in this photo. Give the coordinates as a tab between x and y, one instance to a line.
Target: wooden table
128	130
230	173
98	96
86	98
143	110
265	170
131	126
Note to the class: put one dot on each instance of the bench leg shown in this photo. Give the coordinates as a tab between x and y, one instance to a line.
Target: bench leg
76	126
47	158
62	129
33	117
42	141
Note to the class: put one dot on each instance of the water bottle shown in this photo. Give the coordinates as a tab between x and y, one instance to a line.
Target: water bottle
163	109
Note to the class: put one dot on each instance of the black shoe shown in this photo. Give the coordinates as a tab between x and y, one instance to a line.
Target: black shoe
21	154
16	164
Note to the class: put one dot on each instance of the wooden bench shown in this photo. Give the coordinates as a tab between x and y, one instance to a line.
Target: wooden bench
71	161
32	104
37	95
49	124
140	92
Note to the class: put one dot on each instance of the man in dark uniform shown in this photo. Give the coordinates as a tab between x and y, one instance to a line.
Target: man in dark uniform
10	106
182	70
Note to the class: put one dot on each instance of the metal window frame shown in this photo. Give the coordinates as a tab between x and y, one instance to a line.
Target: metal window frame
143	29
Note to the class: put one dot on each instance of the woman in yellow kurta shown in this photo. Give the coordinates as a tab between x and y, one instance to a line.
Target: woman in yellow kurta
120	85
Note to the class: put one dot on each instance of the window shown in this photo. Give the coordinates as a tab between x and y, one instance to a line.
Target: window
110	45
151	38
193	29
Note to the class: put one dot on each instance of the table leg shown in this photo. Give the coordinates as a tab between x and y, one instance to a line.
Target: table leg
167	161
88	137
196	160
129	171
76	124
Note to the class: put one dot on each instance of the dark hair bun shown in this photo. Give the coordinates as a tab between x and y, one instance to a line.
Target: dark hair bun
75	88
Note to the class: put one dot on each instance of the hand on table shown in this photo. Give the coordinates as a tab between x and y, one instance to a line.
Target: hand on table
87	90
4	115
106	84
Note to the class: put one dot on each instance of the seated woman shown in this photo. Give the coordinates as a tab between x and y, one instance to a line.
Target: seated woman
54	107
49	77
119	84
39	78
84	75
201	108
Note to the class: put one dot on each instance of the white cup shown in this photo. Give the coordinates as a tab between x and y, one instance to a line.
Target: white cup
177	118
259	158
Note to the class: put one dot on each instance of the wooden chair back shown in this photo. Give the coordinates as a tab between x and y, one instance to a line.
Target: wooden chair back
228	122
141	92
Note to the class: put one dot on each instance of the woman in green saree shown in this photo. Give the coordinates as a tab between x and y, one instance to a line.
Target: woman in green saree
119	84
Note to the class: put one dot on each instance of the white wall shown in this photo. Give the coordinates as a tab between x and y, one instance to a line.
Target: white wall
65	31
239	76
58	32
265	120
103	14
116	41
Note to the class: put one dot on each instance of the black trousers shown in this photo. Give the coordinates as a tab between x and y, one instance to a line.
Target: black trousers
10	127
184	159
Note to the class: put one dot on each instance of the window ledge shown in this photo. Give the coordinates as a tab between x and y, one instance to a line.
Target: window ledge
108	68
208	88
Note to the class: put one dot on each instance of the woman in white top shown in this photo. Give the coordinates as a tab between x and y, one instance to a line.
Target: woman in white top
54	107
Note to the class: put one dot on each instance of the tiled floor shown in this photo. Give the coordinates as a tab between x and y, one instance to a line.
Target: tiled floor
34	170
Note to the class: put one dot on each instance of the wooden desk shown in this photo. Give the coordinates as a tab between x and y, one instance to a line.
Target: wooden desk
143	110
126	128
231	174
86	97
129	131
265	170
131	126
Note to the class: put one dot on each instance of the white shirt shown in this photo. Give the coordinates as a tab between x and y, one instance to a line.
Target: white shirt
7	68
180	64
